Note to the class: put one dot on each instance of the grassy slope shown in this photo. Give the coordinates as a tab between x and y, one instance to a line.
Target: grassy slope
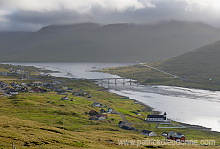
200	64
30	121
201	67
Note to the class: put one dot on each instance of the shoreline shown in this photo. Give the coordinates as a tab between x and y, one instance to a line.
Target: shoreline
187	125
146	107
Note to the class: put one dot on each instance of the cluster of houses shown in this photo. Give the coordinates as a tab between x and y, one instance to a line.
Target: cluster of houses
94	115
42	87
123	125
100	105
174	136
11	88
102	114
14	72
39	87
81	93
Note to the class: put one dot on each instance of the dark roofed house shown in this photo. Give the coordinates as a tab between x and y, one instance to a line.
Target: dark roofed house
127	127
98	117
93	112
156	118
176	136
102	111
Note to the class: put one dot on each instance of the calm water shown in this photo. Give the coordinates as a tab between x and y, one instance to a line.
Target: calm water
194	106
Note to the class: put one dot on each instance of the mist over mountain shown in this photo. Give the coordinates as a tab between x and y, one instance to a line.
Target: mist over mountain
91	42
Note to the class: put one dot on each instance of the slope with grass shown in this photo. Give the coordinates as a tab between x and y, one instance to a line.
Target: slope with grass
198	69
43	120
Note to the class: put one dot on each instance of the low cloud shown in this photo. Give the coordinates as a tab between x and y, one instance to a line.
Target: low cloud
33	14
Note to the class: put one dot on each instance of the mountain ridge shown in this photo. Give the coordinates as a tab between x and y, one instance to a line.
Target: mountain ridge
91	42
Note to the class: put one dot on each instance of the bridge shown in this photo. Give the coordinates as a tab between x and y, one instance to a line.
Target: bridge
115	80
134	79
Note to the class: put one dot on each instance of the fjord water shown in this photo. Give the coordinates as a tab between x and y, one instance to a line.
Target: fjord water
193	106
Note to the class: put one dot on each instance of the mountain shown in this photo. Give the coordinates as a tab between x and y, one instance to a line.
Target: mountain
200	64
6	37
91	42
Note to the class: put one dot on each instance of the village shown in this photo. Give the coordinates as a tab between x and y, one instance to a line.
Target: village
13	89
43	83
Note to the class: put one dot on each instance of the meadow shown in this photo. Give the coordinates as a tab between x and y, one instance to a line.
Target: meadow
44	120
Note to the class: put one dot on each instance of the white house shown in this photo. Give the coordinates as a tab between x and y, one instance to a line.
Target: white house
157	118
13	93
148	133
96	104
110	110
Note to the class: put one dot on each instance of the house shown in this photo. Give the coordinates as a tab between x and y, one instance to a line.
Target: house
127	127
120	123
136	102
44	74
124	97
180	138
156	118
148	133
176	136
102	116
164	134
96	104
65	98
102	111
171	134
93	112
39	90
110	110
13	93
89	96
98	117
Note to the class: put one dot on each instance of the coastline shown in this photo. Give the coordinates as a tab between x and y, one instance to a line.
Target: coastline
145	106
191	126
149	108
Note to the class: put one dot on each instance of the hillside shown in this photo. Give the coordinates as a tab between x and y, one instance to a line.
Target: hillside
199	68
92	42
202	62
43	119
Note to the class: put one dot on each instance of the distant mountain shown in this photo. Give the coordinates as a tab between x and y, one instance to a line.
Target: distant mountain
6	37
200	64
87	42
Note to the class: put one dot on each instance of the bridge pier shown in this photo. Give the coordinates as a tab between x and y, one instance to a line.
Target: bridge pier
101	82
114	80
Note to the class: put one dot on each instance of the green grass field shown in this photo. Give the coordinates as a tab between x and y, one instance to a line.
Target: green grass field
147	76
42	120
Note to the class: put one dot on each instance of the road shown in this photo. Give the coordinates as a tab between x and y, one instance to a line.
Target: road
170	74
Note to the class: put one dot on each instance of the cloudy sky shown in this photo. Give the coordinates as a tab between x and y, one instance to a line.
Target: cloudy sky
33	14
